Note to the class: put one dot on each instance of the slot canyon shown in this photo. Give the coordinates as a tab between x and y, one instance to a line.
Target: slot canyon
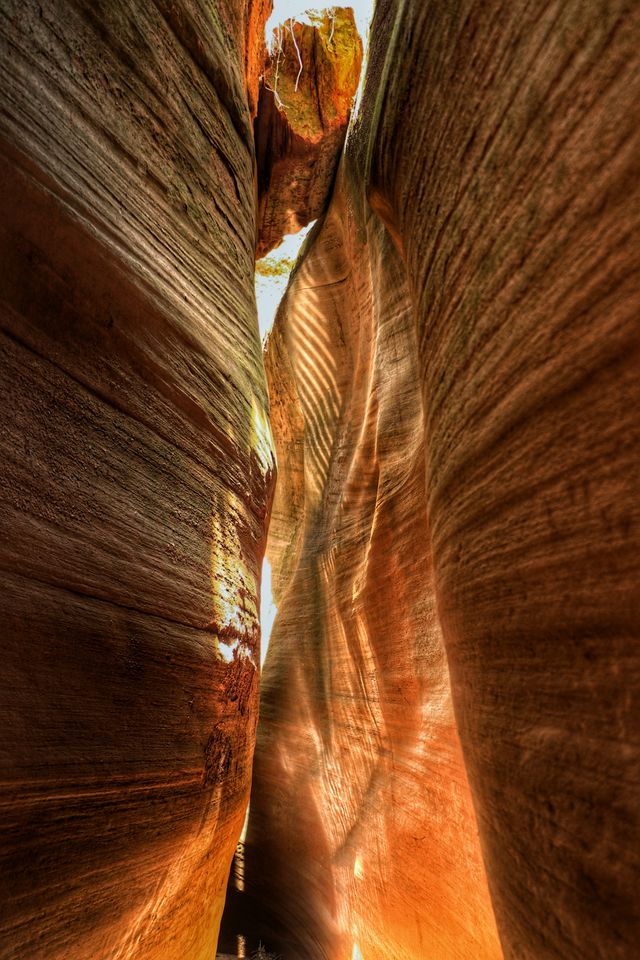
424	467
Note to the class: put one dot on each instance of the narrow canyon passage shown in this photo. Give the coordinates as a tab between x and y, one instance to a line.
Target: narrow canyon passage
426	459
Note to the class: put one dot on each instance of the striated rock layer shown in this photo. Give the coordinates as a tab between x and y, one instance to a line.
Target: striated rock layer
136	473
461	477
361	822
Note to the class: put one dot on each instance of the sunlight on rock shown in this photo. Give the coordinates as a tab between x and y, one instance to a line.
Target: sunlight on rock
284	10
226	651
308	87
234	613
268	610
238	860
262	439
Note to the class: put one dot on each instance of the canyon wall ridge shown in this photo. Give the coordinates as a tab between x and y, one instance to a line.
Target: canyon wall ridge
137	472
461	477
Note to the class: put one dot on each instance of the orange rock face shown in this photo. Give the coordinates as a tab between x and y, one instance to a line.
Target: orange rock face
362	831
305	104
257	13
447	764
136	476
462	493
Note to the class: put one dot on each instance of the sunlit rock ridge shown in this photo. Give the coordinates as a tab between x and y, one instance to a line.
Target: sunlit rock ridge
446	764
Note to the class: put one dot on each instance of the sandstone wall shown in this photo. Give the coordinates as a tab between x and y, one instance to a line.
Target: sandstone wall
362	827
136	473
470	474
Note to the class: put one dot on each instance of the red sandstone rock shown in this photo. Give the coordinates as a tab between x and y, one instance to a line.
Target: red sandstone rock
135	478
500	144
305	104
362	827
255	56
522	247
460	459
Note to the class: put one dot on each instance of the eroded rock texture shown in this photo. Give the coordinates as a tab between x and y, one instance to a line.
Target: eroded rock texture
136	474
304	107
362	815
464	473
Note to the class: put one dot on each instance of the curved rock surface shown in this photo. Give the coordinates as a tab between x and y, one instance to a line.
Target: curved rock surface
469	461
362	826
136	474
304	108
449	726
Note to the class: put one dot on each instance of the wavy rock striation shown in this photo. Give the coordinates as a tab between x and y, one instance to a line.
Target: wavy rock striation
448	728
136	473
459	477
361	820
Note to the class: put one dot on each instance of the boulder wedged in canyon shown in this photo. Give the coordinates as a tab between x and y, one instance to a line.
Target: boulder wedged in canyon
136	473
500	146
304	107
